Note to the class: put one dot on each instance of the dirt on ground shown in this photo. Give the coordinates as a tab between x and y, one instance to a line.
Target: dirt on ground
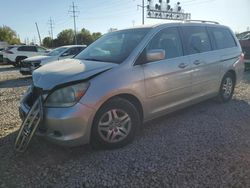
205	145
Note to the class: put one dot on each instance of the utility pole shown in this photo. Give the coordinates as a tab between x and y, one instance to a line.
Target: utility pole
73	11
143	8
51	26
143	12
38	34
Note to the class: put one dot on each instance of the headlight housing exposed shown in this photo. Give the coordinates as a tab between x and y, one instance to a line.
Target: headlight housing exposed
66	96
36	63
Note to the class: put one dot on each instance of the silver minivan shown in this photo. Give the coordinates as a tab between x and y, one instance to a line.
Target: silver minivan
128	77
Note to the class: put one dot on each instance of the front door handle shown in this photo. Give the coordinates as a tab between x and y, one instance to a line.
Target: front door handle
197	62
183	65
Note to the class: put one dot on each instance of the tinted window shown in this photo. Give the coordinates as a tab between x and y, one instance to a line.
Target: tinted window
196	40
79	49
72	51
222	38
57	51
168	40
27	48
40	49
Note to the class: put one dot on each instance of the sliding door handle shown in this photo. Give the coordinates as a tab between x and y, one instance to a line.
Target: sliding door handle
197	62
183	65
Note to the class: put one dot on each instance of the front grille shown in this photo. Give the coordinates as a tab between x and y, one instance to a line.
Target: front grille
36	65
33	96
246	51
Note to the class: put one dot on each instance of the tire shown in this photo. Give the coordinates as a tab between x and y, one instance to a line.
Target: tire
18	60
115	124
226	88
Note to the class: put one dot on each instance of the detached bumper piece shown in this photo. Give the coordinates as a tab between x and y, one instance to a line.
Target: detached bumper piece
29	126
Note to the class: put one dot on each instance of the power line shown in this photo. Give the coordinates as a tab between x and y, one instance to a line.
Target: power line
73	11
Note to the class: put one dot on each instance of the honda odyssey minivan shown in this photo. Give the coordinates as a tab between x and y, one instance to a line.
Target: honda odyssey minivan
128	77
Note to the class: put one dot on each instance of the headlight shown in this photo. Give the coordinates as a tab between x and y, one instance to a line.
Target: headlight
36	63
66	96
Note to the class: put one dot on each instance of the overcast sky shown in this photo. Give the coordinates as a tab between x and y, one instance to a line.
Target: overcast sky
100	15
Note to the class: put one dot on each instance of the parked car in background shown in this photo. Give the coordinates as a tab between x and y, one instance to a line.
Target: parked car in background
131	76
1	55
16	53
28	65
244	39
3	45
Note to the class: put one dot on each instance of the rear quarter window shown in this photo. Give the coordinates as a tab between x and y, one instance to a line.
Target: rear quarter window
196	39
222	37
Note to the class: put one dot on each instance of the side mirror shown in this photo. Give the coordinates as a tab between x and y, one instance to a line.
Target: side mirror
155	55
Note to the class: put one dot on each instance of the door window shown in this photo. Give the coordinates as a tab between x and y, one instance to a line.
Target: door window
27	48
42	50
71	52
222	38
196	40
168	40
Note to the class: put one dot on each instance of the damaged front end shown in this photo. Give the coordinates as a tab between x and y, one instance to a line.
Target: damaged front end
29	125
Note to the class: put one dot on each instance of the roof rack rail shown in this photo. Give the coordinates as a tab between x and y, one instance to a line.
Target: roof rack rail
202	21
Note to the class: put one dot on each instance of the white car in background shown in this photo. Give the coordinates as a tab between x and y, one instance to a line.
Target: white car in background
16	53
28	65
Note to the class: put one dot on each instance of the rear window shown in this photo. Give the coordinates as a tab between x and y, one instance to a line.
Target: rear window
222	38
196	40
27	48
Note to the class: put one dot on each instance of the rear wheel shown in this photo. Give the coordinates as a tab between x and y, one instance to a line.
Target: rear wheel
226	88
115	124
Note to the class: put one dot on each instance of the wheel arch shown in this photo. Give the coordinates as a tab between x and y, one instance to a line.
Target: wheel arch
23	57
233	73
130	98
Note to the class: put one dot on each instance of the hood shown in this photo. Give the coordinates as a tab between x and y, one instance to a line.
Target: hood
39	58
64	71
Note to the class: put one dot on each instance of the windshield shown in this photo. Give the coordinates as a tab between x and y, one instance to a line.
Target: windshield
114	47
244	35
57	51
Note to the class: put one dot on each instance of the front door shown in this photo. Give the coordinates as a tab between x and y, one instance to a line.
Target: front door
168	81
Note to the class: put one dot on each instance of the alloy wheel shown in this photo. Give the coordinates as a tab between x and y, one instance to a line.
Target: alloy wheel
227	87
114	125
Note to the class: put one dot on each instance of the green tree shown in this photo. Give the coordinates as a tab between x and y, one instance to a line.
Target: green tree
66	37
8	35
47	42
96	35
84	37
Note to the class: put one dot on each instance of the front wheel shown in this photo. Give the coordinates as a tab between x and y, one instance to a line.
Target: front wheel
226	88
115	124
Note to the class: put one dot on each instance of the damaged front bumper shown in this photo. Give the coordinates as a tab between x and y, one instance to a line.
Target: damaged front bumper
69	126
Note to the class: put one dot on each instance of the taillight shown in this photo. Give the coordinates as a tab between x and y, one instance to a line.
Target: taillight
8	52
242	57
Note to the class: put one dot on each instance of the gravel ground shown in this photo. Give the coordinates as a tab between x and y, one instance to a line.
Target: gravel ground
206	145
